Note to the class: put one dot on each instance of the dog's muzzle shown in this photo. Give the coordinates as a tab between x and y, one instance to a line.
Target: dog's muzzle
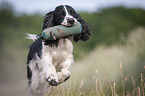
69	21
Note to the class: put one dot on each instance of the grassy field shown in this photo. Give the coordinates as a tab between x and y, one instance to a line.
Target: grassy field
118	70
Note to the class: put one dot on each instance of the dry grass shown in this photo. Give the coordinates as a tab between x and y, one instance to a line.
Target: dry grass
99	74
114	70
96	88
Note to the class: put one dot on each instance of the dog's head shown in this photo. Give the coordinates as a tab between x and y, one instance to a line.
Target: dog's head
64	15
67	16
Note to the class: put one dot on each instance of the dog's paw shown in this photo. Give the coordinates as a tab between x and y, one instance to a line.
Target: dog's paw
52	81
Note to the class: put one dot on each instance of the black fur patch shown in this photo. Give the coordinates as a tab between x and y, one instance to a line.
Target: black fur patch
35	48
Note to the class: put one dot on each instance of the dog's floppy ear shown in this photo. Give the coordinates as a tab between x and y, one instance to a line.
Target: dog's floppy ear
48	20
84	36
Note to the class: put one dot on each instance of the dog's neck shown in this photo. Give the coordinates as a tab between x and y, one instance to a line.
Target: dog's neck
55	43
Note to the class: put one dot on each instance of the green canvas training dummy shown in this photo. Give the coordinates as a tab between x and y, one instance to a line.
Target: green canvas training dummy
59	31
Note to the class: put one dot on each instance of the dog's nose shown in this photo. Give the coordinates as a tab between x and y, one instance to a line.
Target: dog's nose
70	21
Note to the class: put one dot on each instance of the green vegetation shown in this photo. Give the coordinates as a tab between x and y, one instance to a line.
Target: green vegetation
111	26
104	63
118	36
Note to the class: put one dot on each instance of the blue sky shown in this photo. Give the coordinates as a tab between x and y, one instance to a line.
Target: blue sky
43	6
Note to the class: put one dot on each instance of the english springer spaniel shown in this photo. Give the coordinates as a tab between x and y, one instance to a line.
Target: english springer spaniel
49	61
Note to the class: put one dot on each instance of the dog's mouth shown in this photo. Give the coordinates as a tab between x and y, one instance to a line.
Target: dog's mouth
69	22
69	25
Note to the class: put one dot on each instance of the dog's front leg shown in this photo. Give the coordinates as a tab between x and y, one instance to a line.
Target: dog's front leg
64	73
49	70
51	76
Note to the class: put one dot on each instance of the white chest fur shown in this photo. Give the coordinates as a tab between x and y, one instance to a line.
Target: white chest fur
56	55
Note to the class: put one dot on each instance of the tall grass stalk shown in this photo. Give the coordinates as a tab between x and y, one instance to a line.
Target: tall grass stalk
114	89
122	78
97	94
139	91
100	85
134	84
142	85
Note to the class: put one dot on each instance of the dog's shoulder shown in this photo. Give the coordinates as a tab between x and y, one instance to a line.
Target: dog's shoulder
36	45
35	48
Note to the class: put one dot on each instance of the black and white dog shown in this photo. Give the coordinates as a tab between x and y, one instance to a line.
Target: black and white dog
49	61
